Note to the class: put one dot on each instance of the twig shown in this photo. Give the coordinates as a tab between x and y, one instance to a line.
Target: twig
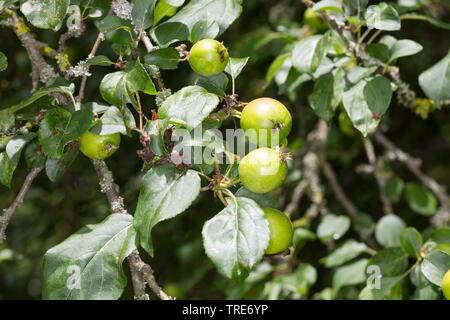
377	166
413	165
94	50
6	217
148	276
297	195
41	69
338	191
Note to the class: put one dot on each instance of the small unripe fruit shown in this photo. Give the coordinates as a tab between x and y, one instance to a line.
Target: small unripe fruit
446	285
313	20
281	231
208	57
266	122
262	170
99	147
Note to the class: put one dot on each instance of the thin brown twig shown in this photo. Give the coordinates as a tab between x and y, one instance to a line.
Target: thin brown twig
94	50
348	205
413	165
377	166
7	215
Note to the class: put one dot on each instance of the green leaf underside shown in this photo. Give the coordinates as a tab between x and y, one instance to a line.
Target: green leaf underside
236	238
164	194
88	264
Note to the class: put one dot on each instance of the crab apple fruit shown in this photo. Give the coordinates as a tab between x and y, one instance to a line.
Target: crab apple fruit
99	147
208	57
262	170
266	122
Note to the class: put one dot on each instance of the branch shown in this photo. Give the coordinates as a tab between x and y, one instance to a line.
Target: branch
94	50
338	191
6	217
147	273
413	165
377	166
41	69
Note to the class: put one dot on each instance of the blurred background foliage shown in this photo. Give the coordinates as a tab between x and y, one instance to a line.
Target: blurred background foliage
53	211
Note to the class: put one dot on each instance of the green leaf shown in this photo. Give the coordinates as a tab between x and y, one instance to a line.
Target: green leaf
435	81
388	230
366	102
404	48
328	5
379	51
45	14
309	52
164	194
440	235
113	23
204	29
142	13
434	266
175	3
411	241
235	66
349	250
222	12
44	92
55	168
435	22
164	58
189	106
358	5
420	200
170	32
236	238
88	264
264	200
163	9
112	121
59	127
390	261
34	156
298	282
333	227
118	88
327	94
3	61
394	189
216	84
276	66
102	61
443	247
6	119
16	144
387	285
350	275
10	158
301	236
156	130
382	17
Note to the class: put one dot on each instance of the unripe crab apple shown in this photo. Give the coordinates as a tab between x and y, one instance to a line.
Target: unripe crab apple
266	122
99	147
313	20
262	170
208	57
446	285
281	231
